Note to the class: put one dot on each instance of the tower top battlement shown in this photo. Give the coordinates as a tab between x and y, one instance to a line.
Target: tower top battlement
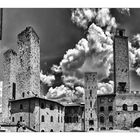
120	32
27	34
9	51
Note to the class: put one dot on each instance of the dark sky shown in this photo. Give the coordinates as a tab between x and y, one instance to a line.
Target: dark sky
56	31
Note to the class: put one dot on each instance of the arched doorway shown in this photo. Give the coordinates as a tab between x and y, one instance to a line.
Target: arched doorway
136	123
91	129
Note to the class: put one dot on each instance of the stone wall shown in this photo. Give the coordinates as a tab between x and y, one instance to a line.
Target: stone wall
91	122
124	119
74	118
9	78
105	110
121	64
28	77
34	109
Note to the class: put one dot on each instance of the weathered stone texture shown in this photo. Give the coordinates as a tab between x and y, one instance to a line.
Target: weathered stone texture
28	76
105	101
74	118
91	122
121	64
9	72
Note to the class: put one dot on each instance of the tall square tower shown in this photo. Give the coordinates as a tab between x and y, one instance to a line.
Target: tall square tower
91	101
121	63
9	82
28	77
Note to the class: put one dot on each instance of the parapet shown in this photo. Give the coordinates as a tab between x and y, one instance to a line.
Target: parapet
27	35
9	52
120	32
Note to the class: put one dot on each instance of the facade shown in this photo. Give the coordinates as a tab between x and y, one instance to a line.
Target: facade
91	122
25	108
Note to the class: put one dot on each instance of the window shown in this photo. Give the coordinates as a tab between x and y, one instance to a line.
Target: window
13	119
91	115
90	93
42	105
14	91
90	103
110	128
122	86
51	130
21	106
23	94
61	119
77	119
135	107
42	118
51	107
51	118
110	108
20	119
111	119
42	131
103	128
102	119
58	108
124	107
101	108
91	122
58	118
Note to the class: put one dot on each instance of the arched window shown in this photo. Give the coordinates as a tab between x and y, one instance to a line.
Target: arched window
103	128
101	108
102	119
23	94
21	106
111	119
135	107
51	130
110	128
13	119
42	118
51	118
42	131
42	105
125	107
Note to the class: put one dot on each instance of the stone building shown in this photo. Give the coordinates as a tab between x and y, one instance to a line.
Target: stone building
91	121
21	99
24	108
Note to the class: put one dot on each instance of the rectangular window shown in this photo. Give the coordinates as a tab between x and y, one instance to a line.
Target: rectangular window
14	91
90	93
20	119
90	103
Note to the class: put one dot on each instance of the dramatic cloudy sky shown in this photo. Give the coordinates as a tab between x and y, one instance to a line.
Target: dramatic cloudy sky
58	33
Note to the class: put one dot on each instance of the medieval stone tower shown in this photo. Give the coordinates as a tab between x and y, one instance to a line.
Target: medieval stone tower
9	81
121	63
28	76
91	102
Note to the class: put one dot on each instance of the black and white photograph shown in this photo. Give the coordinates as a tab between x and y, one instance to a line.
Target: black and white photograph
70	69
